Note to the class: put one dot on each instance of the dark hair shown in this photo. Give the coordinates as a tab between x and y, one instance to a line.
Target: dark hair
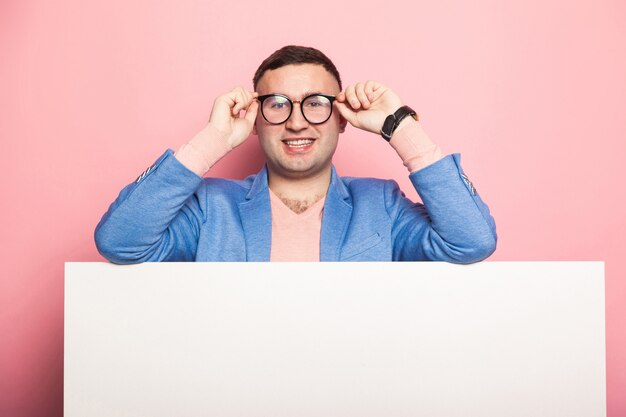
292	54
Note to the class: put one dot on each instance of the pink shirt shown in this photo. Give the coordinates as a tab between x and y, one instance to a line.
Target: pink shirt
296	237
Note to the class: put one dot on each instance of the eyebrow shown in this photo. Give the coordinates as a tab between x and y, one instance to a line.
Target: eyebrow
310	93
305	94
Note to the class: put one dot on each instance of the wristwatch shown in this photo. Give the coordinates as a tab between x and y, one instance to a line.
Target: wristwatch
393	120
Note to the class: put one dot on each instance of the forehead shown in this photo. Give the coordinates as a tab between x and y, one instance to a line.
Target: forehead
298	80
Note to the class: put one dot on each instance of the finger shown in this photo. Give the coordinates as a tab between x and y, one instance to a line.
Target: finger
231	98
369	89
360	93
237	105
246	99
346	112
377	90
251	111
240	102
248	95
352	98
341	97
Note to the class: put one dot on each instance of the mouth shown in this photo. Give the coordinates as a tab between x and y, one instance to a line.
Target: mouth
297	145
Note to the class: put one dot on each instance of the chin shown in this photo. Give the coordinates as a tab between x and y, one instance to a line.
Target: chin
298	171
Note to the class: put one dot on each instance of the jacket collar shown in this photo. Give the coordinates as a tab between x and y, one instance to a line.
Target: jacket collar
337	214
337	186
259	184
256	218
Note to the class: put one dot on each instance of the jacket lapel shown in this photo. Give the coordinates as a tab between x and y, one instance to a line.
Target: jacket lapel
337	213
256	220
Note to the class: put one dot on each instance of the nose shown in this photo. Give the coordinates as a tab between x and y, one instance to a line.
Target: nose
296	120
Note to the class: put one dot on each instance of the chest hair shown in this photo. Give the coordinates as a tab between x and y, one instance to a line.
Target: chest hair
299	206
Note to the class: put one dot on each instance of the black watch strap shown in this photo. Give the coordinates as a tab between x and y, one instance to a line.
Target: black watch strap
393	120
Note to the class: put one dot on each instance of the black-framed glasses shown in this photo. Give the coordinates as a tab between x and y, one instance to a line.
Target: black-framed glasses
316	108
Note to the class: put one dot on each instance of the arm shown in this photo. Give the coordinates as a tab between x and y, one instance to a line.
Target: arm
158	217
453	224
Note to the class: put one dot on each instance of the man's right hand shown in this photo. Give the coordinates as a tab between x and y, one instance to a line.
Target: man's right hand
226	117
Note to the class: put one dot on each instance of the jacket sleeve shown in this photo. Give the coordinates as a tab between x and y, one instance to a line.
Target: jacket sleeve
453	224
156	218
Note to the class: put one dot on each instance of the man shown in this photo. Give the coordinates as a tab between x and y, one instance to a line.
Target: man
297	208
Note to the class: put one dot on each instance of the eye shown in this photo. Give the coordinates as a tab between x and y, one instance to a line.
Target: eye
276	103
317	101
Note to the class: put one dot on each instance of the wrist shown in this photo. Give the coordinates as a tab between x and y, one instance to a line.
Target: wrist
415	147
394	120
407	121
204	150
216	134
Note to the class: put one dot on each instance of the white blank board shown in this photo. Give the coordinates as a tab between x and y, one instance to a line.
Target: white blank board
335	339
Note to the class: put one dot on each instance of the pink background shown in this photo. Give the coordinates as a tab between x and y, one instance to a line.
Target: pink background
533	94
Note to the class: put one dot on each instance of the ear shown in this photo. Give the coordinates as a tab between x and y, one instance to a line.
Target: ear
342	124
254	128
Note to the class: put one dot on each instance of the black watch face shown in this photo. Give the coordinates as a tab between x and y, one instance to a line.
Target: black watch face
386	130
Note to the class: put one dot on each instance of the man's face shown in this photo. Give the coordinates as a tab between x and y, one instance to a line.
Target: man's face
286	157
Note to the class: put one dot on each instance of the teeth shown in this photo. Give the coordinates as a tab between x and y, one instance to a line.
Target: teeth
299	142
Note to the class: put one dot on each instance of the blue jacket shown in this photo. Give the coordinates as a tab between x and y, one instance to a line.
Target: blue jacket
171	214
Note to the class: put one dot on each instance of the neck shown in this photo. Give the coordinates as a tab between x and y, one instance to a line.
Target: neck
300	193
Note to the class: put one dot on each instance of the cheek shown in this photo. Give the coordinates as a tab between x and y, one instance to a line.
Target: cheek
259	125
265	129
337	121
267	135
333	126
259	129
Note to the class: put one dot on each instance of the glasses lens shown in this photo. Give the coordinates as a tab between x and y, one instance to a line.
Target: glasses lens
317	109
276	109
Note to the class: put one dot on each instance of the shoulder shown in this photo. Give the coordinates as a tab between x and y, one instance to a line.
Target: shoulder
376	192
232	189
372	191
229	185
369	185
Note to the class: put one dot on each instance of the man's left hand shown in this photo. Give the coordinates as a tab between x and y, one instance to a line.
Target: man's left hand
367	105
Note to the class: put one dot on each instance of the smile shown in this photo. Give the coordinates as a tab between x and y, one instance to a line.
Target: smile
298	143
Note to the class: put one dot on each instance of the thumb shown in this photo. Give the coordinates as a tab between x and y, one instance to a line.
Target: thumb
346	112
251	111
